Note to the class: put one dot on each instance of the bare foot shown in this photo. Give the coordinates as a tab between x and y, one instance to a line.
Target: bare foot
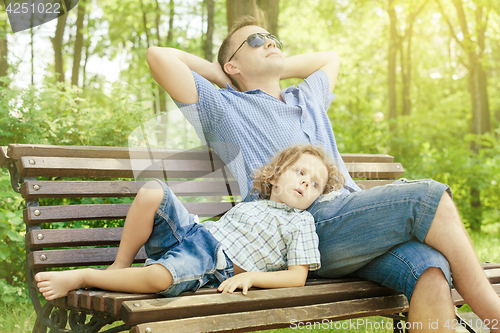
53	285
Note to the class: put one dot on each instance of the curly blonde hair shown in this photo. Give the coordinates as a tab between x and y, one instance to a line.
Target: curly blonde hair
284	159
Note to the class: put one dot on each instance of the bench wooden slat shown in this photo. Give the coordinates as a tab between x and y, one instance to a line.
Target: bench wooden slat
66	213
77	257
80	189
121	168
367	158
50	238
206	305
280	317
30	166
94	189
375	170
17	151
493	275
4	160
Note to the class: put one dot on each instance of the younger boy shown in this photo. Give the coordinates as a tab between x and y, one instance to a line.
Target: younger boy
268	243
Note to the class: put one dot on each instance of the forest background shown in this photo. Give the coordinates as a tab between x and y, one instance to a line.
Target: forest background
419	79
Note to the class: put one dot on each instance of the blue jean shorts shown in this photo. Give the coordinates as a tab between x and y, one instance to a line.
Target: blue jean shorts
188	250
378	234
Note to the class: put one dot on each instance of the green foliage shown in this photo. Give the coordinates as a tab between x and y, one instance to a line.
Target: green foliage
67	115
12	230
16	316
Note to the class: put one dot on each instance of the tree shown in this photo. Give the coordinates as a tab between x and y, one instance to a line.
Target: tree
473	44
265	11
208	45
4	48
57	44
400	42
79	43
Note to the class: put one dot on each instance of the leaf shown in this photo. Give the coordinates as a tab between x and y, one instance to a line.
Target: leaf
17	220
14	236
10	215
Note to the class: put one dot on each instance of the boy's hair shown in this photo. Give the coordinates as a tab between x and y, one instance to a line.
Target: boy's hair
224	49
280	163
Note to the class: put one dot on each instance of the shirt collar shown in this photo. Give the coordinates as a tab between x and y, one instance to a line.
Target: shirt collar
291	89
280	205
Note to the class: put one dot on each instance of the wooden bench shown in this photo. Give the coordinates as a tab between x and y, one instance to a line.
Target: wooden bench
64	185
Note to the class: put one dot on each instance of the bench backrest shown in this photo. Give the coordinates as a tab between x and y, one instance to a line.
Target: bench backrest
64	185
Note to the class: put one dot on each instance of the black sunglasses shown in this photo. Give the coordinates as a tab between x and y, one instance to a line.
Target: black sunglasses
257	40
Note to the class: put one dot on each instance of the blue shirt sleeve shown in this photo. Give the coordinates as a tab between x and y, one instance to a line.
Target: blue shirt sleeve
317	84
208	111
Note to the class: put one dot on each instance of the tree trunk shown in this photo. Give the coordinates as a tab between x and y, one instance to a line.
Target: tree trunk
391	57
171	12
210	30
86	52
478	89
264	11
270	9
57	43
162	95
77	57
4	51
406	71
145	23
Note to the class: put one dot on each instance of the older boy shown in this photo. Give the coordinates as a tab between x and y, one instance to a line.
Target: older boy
265	243
389	234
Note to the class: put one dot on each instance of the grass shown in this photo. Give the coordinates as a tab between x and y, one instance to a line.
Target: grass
18	316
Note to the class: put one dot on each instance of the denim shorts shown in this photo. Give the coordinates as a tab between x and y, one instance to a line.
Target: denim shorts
188	250
378	234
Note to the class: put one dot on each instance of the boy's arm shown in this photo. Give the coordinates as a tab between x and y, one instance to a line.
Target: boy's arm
295	276
302	65
171	68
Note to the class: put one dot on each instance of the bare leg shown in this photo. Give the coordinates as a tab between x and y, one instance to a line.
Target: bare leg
146	279
448	235
431	305
138	224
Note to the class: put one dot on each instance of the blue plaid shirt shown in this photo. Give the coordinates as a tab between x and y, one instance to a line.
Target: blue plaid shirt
246	129
267	236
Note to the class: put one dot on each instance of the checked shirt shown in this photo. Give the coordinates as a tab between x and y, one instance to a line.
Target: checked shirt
266	236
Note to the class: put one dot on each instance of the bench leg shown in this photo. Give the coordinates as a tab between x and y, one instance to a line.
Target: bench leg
464	324
56	319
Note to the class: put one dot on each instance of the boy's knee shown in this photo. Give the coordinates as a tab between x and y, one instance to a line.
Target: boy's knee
152	185
150	193
160	278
